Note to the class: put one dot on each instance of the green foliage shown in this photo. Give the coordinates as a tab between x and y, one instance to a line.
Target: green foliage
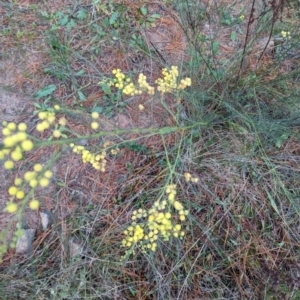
225	132
65	19
146	20
112	101
45	91
228	19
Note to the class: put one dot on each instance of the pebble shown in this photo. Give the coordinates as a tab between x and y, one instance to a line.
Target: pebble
45	219
75	248
24	242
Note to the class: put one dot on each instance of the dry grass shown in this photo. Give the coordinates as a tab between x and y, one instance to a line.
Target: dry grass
236	129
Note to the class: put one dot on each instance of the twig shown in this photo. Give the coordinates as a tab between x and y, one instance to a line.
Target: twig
251	20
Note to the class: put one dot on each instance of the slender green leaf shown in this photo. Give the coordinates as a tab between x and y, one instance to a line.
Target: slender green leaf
81	96
144	10
98	109
106	88
272	201
233	36
45	91
113	18
80	72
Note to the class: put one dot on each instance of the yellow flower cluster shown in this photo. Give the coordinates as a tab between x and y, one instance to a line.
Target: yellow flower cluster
169	81
184	83
286	34
148	225
48	118
57	132
123	83
171	192
15	141
95	124
115	151
33	179
188	177
98	161
128	88
144	85
120	79
166	84
38	177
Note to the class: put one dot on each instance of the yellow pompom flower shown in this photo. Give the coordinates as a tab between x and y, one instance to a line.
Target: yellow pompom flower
62	121
11	207
21	136
187	176
40	127
56	133
44	182
9	142
153	247
33	183
27	145
12	126
16	155
178	205
29	175
18	181
48	174
12	191
20	195
46	124
6	131
8	164
168	215
177	227
94	125
42	115
22	127
37	167
151	218
51	119
182	217
95	115
34	204
171	197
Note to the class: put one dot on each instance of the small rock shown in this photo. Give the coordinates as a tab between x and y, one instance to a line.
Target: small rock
265	42
75	248
82	142
45	219
24	243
